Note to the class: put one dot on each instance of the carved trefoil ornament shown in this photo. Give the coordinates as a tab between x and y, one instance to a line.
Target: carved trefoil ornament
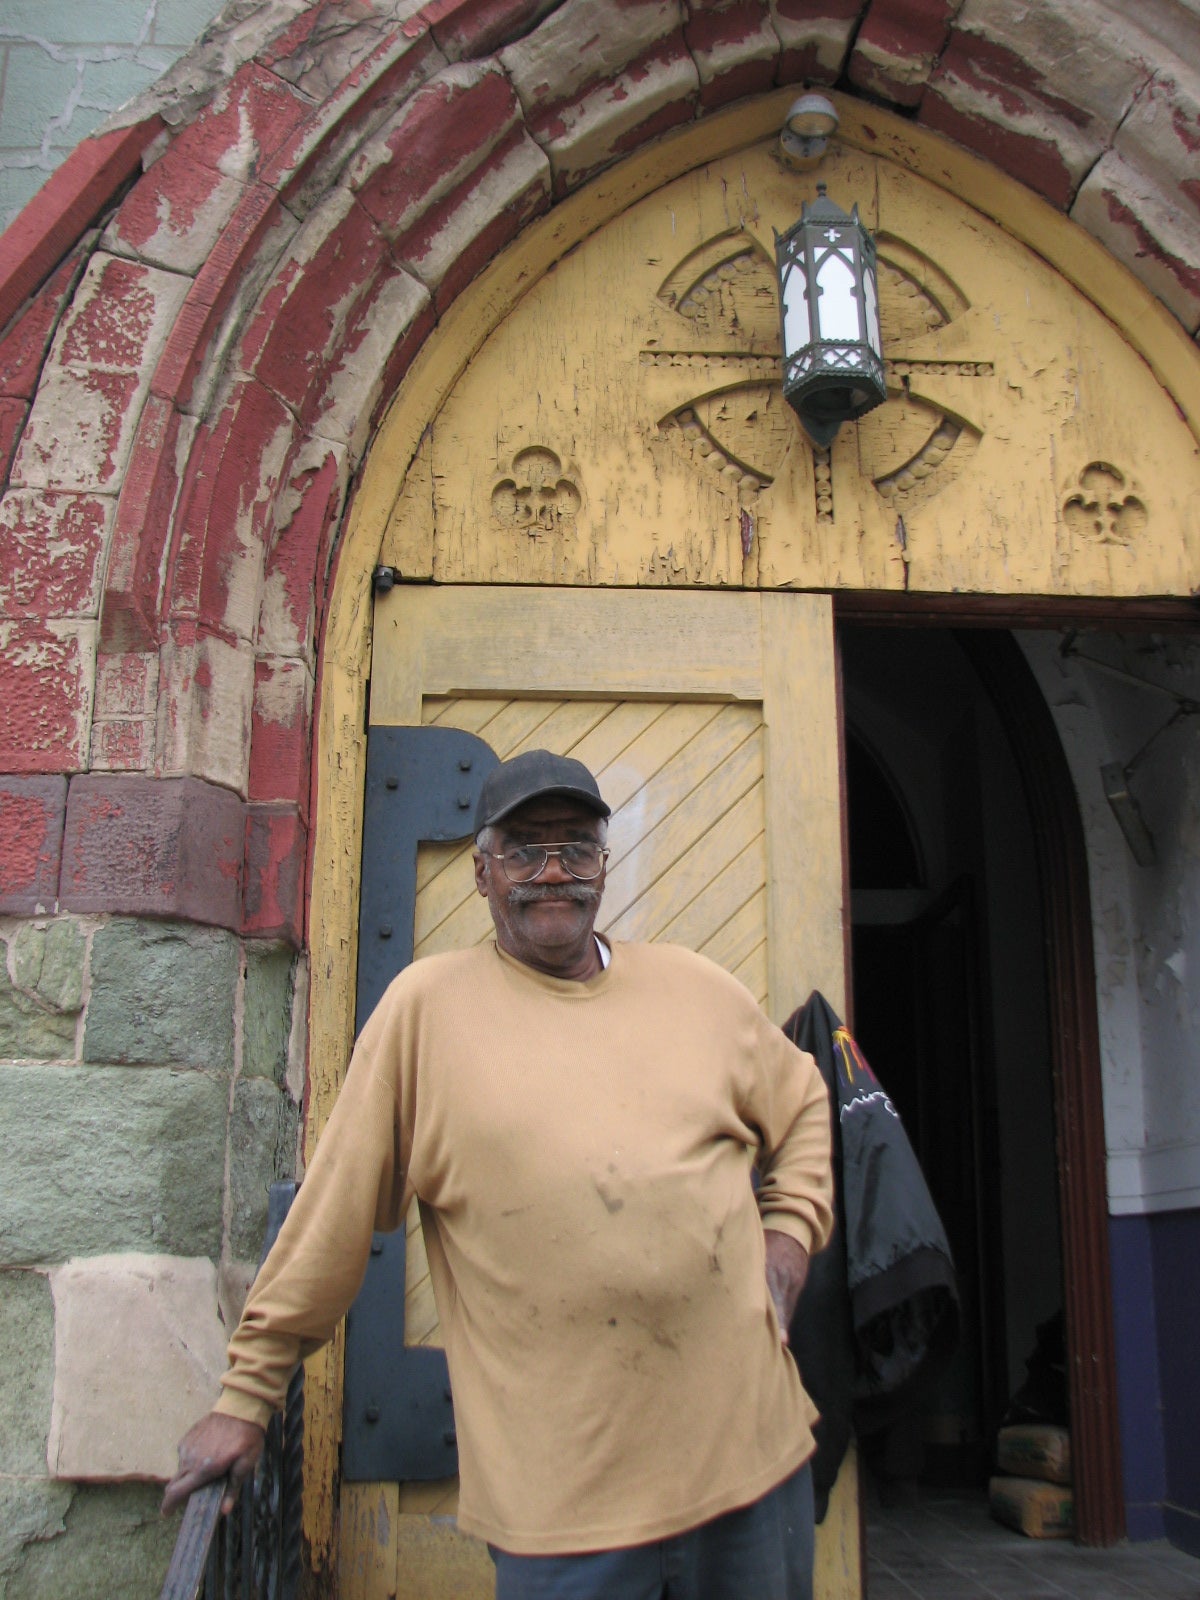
537	494
1103	509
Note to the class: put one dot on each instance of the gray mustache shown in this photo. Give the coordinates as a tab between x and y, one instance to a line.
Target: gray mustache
583	894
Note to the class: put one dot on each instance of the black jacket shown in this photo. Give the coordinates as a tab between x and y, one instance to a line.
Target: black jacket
878	1318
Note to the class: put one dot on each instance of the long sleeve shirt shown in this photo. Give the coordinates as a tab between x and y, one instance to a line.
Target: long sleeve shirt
582	1152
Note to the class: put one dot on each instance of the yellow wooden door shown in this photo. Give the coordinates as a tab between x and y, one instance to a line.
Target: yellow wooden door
710	720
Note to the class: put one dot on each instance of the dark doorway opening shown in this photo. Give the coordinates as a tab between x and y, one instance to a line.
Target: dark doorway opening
951	1007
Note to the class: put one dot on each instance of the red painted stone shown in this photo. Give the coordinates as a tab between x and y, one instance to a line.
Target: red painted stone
138	846
245	123
281	733
31	826
12	424
446	126
469	29
225	507
70	200
120	745
208	299
398	361
906	34
1034	161
306	320
314	494
23	348
47	686
132	601
276	874
1148	247
735	48
174	214
111	325
478	234
51	546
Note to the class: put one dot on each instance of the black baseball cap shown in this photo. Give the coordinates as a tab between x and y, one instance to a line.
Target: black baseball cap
530	775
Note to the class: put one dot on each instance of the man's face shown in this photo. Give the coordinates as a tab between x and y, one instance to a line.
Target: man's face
548	923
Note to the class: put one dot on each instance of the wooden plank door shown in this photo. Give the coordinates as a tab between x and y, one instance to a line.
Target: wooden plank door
710	720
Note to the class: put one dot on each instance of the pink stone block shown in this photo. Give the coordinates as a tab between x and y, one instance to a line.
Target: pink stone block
121	744
139	846
313	495
45	711
51	547
31	824
139	1348
126	684
276	874
24	346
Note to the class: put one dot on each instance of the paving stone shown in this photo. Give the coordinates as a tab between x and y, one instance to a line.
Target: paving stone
267	1013
162	993
262	1141
98	1159
26	1372
116	1419
116	1547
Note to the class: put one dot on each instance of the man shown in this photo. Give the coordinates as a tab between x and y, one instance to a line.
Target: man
580	1121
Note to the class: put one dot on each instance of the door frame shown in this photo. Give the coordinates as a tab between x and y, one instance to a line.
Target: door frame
982	627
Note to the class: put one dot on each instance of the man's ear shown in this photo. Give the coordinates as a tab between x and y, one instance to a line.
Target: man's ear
480	873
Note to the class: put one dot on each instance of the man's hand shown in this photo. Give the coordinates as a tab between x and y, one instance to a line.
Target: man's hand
216	1446
787	1268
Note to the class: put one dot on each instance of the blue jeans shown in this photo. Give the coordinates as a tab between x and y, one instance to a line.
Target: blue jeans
762	1551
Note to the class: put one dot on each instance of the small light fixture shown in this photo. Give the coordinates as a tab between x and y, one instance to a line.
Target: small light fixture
829	318
808	127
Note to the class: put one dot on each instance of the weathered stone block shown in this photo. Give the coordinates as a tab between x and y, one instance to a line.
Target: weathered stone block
31	1512
158	847
47	959
205	699
31	823
26	1373
282	727
815	38
262	1142
115	1545
267	1010
1153	233
173	217
276	854
114	1418
51	546
162	994
897	46
48	672
735	49
582	43
81	428
110	1158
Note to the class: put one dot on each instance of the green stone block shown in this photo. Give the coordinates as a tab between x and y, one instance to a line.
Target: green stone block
115	1545
262	1143
110	1158
30	1513
179	23
267	1013
109	84
49	958
36	88
26	1371
162	994
18	185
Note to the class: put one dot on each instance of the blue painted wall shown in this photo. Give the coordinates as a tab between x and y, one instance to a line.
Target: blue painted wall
1156	1312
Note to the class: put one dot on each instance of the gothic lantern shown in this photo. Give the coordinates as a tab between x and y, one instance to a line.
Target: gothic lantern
829	316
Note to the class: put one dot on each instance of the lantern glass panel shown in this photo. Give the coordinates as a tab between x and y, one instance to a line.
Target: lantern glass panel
872	308
838	303
796	327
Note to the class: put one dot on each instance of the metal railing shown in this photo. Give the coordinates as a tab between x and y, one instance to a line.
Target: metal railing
254	1552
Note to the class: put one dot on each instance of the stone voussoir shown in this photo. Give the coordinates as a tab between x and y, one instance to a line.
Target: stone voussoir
815	39
205	697
581	44
897	46
48	672
735	48
32	813
140	846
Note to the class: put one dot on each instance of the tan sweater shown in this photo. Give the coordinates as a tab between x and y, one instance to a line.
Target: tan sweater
582	1152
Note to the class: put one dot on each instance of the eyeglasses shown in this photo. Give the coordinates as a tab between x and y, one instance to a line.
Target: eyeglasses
582	858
